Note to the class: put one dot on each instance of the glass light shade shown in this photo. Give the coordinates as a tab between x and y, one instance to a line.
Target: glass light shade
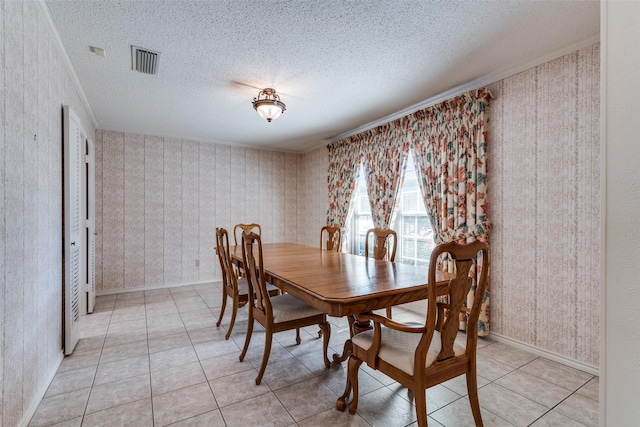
268	104
269	110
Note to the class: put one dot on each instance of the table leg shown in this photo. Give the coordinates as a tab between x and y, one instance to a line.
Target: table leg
346	352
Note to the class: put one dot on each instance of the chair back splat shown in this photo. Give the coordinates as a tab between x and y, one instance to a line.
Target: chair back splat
252	256
385	243
331	238
238	229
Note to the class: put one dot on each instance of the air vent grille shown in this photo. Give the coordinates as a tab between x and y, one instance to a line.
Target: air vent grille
144	60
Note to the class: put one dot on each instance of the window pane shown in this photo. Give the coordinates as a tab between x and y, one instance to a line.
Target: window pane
410	183
424	249
408	226
409	202
408	247
420	203
409	261
363	205
413	227
422	263
424	227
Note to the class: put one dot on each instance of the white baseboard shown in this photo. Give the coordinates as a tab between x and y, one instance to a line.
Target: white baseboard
590	369
150	288
30	412
593	370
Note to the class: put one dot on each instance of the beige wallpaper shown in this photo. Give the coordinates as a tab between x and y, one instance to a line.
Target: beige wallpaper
158	201
544	202
313	201
34	84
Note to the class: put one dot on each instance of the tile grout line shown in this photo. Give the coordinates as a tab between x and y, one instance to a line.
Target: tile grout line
86	406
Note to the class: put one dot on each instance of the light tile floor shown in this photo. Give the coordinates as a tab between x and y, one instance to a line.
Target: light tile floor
155	358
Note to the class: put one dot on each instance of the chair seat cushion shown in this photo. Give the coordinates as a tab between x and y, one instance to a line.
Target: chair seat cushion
243	286
287	307
398	348
271	287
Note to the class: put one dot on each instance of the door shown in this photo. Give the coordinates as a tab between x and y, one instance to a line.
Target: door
73	226
91	226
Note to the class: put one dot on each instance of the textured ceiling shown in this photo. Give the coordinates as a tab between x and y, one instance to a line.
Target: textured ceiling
338	65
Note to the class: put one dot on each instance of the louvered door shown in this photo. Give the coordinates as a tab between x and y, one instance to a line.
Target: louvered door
91	227
73	227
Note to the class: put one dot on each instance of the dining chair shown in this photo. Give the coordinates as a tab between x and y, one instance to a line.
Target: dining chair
275	313
385	243
419	357
237	239
232	286
333	239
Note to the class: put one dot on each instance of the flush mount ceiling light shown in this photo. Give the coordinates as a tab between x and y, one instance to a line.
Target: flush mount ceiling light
268	104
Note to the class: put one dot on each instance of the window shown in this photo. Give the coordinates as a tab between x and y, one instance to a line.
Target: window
359	217
415	236
411	223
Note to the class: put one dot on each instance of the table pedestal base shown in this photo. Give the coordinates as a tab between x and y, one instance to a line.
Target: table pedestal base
346	352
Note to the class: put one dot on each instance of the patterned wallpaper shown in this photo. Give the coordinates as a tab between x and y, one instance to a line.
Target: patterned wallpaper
158	201
34	84
313	200
544	202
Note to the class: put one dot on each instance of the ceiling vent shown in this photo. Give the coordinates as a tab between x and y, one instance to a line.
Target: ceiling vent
144	60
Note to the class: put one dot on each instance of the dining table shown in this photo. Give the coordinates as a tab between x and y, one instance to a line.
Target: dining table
341	284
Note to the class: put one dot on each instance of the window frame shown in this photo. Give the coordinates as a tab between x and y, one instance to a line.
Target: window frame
360	220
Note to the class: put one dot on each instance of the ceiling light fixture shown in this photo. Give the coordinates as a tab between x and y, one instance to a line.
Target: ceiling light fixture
268	104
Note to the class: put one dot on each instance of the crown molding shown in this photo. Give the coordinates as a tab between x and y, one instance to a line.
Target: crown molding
471	85
65	59
195	139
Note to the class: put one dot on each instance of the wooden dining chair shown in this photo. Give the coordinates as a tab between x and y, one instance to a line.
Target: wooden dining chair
385	243
232	286
275	313
419	357
333	239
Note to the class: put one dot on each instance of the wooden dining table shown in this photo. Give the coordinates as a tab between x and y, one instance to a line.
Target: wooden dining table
340	284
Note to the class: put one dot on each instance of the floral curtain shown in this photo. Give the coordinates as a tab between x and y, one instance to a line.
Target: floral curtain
385	151
345	157
450	154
